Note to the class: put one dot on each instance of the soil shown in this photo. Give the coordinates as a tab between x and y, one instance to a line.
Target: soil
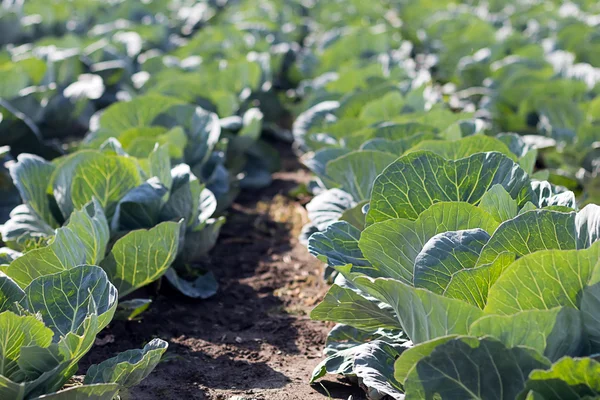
254	339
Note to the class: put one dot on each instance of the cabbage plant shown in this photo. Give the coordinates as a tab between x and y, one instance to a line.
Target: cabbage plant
121	210
466	278
50	324
225	154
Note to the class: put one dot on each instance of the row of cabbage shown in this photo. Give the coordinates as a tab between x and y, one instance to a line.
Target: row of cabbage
129	127
443	152
63	69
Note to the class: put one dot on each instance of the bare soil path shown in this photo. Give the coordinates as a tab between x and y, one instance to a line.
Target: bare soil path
254	339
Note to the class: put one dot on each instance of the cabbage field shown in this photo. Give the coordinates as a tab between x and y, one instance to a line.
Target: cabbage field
299	199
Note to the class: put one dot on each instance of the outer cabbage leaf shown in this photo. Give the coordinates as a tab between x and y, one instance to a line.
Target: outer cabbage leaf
445	254
374	366
17	332
139	112
355	172
202	287
346	306
102	391
465	147
393	245
497	201
423	315
31	175
543	280
65	299
90	174
554	333
142	256
338	245
569	378
418	180
453	371
63	253
128	368
91	228
328	206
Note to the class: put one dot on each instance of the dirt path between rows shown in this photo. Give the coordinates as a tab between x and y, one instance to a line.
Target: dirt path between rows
254	339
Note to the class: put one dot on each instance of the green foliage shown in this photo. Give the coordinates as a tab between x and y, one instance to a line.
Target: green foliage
464	258
47	327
